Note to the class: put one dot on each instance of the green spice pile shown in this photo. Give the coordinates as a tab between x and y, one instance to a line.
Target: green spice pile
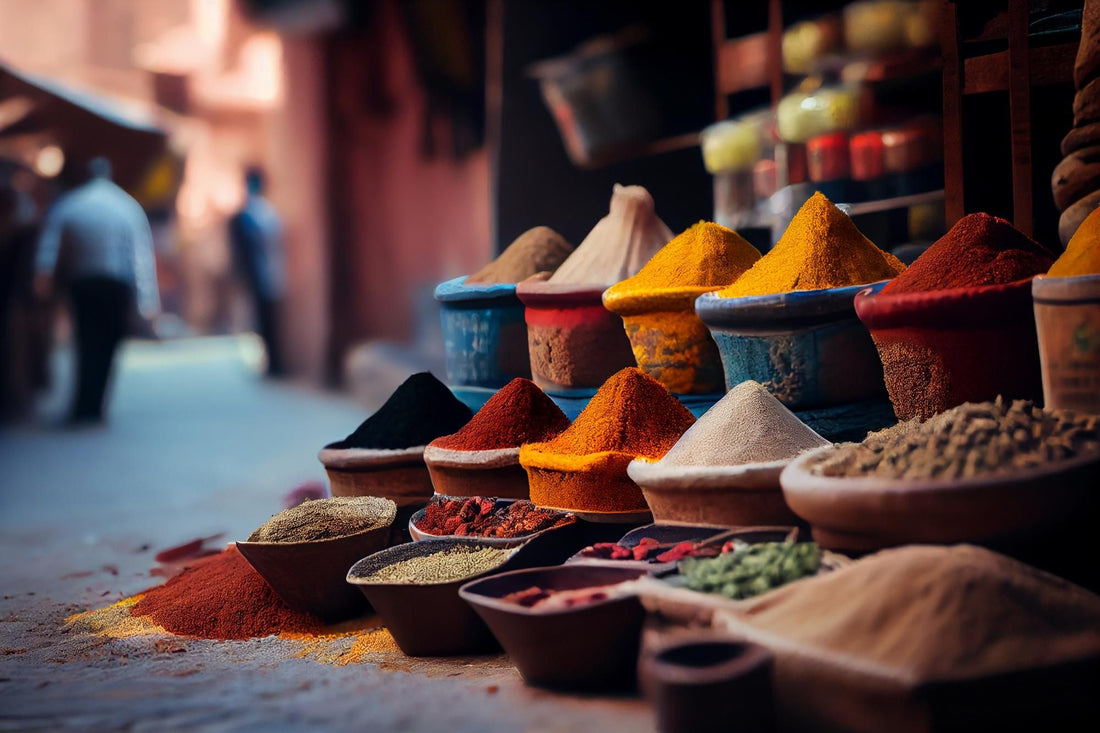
969	440
440	567
751	570
327	518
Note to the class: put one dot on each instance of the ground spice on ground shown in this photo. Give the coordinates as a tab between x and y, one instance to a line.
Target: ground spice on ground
705	254
418	412
748	425
440	567
631	413
821	248
969	440
979	250
519	413
326	518
540	249
478	516
1082	255
221	597
619	244
936	613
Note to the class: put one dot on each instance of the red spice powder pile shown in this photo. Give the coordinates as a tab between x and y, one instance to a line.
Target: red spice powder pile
979	250
519	413
221	597
475	517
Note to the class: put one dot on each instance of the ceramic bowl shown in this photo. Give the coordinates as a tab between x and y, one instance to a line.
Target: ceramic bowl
589	647
575	344
418	534
427	619
309	576
399	475
484	335
1067	321
695	681
477	472
669	341
942	348
866	514
730	496
807	347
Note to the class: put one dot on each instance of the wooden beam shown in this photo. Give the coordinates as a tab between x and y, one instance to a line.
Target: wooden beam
774	56
742	64
1019	114
718	45
1046	65
953	84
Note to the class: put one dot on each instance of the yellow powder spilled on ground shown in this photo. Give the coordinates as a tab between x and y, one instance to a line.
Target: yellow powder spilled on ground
351	642
822	248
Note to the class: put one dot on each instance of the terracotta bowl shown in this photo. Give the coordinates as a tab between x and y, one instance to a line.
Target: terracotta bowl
477	472
730	496
588	647
866	514
942	348
575	344
484	335
669	341
426	619
309	576
807	347
1067	320
399	475
575	488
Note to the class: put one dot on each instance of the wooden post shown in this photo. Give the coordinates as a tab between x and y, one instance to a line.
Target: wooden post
1019	113
953	81
775	48
718	40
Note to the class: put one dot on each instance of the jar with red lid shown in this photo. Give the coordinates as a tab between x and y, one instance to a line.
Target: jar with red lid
828	164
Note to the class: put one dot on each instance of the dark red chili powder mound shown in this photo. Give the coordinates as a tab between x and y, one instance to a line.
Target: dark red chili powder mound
979	250
519	413
221	597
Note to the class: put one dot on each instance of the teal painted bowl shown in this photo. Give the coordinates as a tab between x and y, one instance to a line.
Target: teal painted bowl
484	334
807	347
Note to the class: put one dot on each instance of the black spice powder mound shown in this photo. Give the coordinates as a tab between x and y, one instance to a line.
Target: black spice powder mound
419	411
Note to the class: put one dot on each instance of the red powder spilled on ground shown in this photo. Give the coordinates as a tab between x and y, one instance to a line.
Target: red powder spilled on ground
221	597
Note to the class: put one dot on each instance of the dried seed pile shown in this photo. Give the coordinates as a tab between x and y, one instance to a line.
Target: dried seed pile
326	518
966	441
752	570
440	567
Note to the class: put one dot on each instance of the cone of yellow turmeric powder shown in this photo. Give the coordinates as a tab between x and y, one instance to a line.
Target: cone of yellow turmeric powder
657	306
583	469
1082	255
821	248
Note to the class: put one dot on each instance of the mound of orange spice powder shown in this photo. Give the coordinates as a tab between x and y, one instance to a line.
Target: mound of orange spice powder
584	468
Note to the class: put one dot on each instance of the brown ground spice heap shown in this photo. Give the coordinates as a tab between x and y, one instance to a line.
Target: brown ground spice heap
517	414
936	613
540	249
966	441
323	519
221	597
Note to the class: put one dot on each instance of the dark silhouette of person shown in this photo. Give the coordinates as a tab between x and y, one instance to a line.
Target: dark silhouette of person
96	246
256	236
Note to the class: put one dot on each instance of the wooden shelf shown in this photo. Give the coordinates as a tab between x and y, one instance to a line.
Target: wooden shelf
743	64
1046	65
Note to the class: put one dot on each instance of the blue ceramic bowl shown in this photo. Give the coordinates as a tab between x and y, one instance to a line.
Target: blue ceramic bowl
807	347
484	334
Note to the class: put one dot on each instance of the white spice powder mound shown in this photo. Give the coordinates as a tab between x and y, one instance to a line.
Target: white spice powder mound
748	425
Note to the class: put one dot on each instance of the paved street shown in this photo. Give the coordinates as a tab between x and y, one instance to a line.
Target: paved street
198	445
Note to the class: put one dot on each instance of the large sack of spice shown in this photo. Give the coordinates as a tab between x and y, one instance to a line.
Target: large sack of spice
926	638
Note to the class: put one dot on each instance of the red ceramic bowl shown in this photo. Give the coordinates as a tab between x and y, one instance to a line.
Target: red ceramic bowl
942	348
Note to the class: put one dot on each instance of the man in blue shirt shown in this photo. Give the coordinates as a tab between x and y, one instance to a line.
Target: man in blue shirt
256	236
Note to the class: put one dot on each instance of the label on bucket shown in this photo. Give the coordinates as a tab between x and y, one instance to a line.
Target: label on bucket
1069	345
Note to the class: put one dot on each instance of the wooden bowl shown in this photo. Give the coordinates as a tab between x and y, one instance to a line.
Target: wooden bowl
477	472
309	576
399	475
865	514
589	647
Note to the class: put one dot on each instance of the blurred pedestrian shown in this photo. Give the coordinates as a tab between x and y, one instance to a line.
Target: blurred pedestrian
96	246
256	236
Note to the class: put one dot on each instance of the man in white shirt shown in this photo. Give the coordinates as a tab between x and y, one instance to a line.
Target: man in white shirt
97	245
